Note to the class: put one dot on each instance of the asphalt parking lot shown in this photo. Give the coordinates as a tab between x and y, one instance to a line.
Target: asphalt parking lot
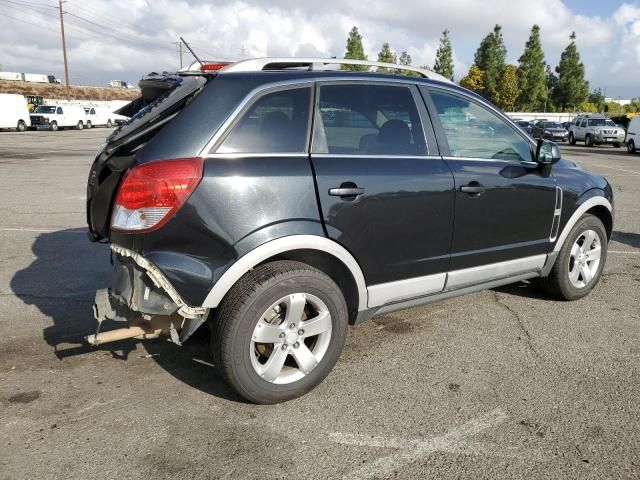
500	384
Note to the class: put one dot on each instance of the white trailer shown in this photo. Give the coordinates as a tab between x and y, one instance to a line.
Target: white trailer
35	78
13	76
14	112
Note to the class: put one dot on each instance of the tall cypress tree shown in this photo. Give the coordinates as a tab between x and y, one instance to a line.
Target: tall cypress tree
355	51
387	56
444	57
491	58
572	88
531	74
405	59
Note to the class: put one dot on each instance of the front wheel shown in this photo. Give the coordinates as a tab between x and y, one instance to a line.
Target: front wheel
580	262
109	124
22	126
588	141
279	331
631	147
89	124
54	126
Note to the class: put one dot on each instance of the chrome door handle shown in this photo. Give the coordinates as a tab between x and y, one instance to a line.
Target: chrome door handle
346	192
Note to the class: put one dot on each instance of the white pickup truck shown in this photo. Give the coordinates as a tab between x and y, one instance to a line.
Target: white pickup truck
54	117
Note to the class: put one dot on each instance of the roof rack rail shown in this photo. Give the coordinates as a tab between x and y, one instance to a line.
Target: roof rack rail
280	63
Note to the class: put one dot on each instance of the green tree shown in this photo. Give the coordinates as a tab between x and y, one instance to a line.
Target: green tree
509	88
597	98
387	56
491	59
474	80
444	57
552	88
531	74
405	59
572	88
355	51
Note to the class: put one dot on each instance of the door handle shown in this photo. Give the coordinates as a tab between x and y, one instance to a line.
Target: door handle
346	191
474	189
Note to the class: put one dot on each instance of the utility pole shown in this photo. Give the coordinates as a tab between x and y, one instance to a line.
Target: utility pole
64	47
179	45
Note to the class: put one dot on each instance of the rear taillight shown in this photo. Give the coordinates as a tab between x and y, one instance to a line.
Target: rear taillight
151	193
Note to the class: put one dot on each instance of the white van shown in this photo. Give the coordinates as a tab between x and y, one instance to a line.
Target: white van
633	135
14	112
100	117
54	117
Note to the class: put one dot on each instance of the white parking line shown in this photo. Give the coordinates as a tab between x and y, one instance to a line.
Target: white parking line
623	252
613	168
411	451
44	230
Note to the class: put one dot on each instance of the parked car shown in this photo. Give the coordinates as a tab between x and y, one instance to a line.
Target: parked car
280	204
595	129
14	112
633	135
525	125
54	117
549	130
99	117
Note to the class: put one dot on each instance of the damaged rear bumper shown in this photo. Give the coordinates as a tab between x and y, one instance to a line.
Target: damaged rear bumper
140	293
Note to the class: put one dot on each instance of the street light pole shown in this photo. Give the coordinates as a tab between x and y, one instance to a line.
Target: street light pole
64	47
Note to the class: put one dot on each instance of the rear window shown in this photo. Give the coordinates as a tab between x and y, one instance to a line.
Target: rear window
173	93
361	119
277	122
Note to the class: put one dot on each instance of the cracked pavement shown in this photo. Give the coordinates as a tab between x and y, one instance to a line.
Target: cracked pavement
504	383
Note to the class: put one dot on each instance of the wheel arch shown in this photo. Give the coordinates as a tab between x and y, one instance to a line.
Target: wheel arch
592	202
319	252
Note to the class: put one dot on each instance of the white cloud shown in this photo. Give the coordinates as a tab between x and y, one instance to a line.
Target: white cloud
136	36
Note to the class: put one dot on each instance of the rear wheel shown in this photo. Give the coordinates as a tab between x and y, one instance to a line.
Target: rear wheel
572	139
580	261
588	141
22	126
54	126
279	331
109	124
631	147
79	126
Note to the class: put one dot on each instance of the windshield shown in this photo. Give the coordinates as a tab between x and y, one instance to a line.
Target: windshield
45	109
552	125
601	122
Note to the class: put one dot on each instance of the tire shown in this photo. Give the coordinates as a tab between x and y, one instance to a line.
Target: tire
572	139
79	126
89	124
588	141
631	146
21	127
266	292
53	127
109	124
558	283
616	145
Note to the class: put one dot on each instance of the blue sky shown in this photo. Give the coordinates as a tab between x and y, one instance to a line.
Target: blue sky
117	39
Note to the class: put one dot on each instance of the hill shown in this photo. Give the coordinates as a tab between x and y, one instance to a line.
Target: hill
54	91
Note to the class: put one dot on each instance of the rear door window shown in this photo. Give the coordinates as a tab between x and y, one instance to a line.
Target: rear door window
366	119
277	122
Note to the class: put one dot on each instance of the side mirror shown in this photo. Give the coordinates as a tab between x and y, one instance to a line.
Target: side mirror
547	152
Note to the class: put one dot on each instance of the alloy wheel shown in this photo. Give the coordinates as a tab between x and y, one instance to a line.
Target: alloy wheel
291	338
584	259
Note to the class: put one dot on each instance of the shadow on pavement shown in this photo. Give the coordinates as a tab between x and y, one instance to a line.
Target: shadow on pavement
627	238
61	282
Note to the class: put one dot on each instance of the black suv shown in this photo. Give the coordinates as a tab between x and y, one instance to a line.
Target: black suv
281	201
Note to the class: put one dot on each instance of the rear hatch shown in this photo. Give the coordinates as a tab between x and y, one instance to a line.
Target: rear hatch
162	98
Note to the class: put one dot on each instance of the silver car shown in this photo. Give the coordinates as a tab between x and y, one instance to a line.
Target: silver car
595	129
